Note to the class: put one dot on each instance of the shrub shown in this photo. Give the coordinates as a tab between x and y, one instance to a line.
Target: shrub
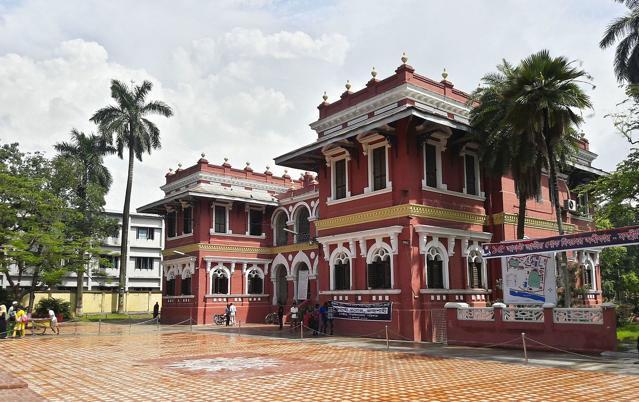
59	306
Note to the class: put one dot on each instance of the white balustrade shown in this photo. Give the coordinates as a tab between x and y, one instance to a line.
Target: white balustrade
476	314
528	314
578	316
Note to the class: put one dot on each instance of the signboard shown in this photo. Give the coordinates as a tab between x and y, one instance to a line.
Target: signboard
302	284
363	312
529	279
601	238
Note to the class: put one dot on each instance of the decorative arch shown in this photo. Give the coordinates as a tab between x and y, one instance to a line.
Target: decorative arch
252	272
589	265
172	273
276	212
379	252
340	255
187	271
295	210
217	272
434	250
299	258
279	260
474	255
376	249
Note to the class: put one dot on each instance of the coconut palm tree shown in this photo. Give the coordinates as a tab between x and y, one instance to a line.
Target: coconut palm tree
127	124
547	99
625	29
503	149
87	153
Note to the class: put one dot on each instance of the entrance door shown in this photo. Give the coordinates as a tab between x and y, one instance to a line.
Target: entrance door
281	285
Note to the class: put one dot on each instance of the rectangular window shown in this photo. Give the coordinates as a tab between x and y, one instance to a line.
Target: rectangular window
255	222
171	224
430	155
186	286
220	219
340	179
170	287
379	168
144	262
471	175
145	233
187	218
110	261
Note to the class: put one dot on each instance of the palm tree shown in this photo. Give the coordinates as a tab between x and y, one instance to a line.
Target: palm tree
626	30
127	122
546	99
503	149
87	153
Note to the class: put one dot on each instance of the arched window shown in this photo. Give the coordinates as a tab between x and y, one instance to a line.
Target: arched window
341	271
475	269
281	236
379	269
434	268
589	275
302	226
255	282
220	281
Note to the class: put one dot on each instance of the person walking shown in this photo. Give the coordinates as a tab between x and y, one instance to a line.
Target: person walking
330	315
156	310
4	317
11	323
53	322
21	323
227	314
294	315
232	310
280	316
323	313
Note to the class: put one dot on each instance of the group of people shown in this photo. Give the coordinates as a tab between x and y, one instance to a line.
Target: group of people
229	314
318	318
13	322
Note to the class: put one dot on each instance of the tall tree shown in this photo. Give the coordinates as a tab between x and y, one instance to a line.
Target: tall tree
504	149
84	160
548	99
126	124
625	29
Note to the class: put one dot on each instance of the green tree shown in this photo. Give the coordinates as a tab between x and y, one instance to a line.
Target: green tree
625	30
127	124
547	102
89	181
504	149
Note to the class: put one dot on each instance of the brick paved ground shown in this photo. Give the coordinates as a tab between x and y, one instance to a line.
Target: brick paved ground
147	365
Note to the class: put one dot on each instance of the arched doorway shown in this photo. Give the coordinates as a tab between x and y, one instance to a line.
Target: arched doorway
280	285
302	285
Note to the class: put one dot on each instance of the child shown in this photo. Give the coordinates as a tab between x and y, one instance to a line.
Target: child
54	322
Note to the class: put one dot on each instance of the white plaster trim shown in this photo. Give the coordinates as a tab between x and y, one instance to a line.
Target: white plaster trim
213	233
453	193
182	236
331	264
362	292
221	179
302	197
360	196
243	295
179	297
380	233
331	161
448	232
456	291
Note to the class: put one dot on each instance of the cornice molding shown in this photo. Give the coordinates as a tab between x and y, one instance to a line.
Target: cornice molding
503	218
196	177
226	248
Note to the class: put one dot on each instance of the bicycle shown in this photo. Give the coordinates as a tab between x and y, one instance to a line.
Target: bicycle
219	319
271	318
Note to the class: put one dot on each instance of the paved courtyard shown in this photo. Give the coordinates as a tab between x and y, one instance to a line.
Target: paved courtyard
206	366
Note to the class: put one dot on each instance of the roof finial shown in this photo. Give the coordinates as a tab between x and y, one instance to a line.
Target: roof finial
248	164
445	74
348	85
203	154
325	97
170	170
226	160
404	58
180	165
373	72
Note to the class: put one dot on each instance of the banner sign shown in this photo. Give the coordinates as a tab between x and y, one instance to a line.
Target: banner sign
529	279
600	238
363	312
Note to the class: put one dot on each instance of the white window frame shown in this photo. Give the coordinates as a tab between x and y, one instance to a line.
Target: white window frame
331	160
474	154
439	149
191	232
473	252
227	207
260	273
274	217
435	243
221	269
372	253
593	269
369	148
250	208
338	252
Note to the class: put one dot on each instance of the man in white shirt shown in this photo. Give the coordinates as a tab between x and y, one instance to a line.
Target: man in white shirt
294	315
54	322
232	310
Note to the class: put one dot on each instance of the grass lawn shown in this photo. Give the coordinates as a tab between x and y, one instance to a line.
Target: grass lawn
116	317
628	332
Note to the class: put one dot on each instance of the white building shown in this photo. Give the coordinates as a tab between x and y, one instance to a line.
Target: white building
146	242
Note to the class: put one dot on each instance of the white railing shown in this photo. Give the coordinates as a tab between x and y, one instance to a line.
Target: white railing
528	314
578	316
476	314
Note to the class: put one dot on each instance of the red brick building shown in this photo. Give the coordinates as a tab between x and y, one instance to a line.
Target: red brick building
396	210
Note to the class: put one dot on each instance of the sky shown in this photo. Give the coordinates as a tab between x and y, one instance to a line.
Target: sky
244	77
